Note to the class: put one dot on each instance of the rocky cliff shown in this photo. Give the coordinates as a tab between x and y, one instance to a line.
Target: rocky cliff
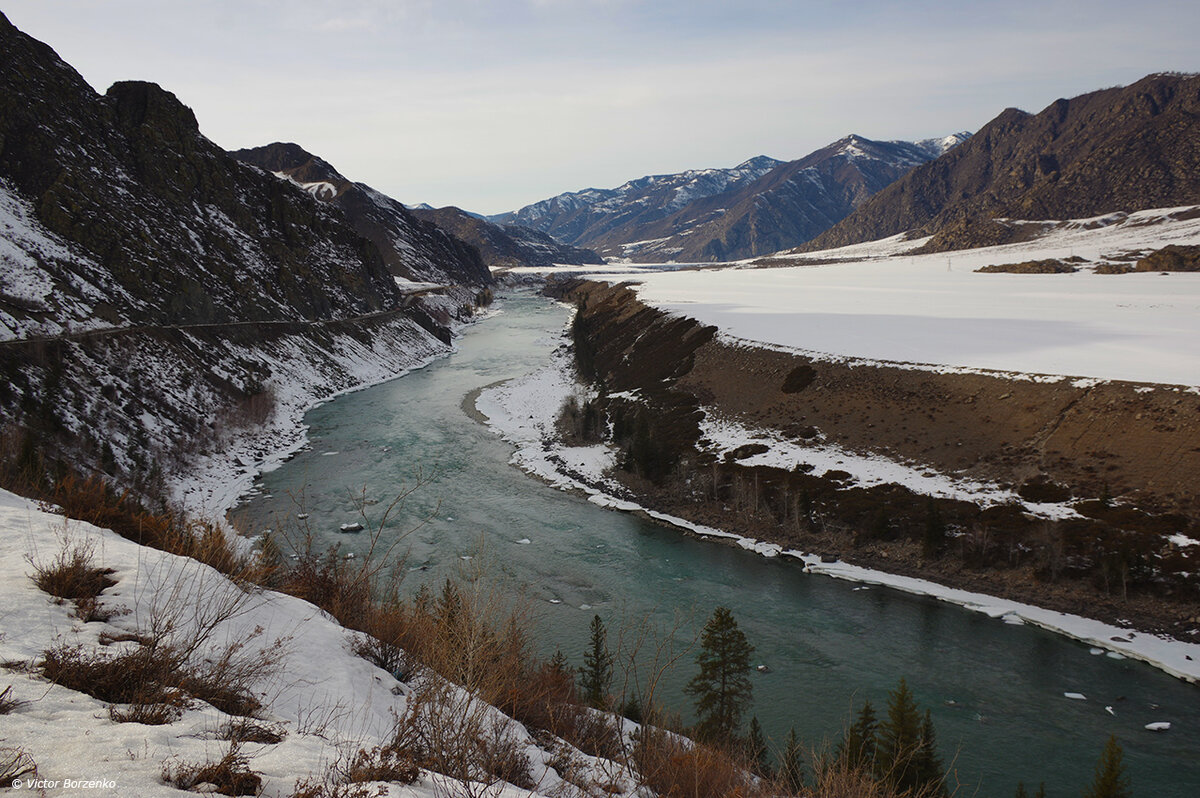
413	248
154	291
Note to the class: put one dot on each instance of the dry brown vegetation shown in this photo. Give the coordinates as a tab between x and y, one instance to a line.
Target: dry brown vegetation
464	653
229	775
15	763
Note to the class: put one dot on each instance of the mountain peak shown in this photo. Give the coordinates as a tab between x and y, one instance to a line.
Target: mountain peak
139	103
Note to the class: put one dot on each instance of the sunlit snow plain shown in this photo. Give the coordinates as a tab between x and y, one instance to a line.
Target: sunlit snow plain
936	310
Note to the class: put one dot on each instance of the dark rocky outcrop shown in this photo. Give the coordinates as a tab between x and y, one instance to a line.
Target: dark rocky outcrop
1171	258
1120	149
413	247
506	246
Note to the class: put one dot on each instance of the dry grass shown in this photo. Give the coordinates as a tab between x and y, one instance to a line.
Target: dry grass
72	573
245	730
230	775
8	702
310	788
382	763
146	713
15	763
673	767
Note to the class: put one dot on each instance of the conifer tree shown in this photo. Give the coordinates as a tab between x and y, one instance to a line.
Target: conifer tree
1041	793
928	765
632	709
857	748
1021	790
1111	781
791	768
596	675
722	689
899	739
756	749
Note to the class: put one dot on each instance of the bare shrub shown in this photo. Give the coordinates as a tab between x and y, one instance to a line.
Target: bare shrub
312	788
146	674
382	763
674	767
15	763
72	573
245	730
149	714
161	674
230	775
95	501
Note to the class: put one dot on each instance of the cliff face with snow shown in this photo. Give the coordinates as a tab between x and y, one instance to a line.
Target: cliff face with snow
155	293
758	207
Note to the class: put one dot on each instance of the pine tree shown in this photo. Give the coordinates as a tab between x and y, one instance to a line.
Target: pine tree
1041	793
1021	790
596	675
632	709
756	749
791	768
558	663
1111	781
928	765
899	739
722	690
857	748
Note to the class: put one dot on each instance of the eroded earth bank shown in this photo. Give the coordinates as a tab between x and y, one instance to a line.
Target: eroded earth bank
1070	494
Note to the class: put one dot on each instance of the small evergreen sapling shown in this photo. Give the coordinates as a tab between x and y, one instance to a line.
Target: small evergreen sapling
1111	780
595	677
722	689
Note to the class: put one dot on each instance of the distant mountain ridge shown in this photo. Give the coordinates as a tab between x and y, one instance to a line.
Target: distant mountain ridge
1120	149
761	206
413	248
506	246
597	217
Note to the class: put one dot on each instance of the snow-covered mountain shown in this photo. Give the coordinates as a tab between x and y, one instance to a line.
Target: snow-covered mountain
759	207
597	216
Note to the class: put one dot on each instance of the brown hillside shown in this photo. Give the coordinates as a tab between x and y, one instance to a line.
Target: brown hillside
1126	148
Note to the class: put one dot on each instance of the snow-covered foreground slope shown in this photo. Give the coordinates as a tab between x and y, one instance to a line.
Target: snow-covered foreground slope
328	702
936	310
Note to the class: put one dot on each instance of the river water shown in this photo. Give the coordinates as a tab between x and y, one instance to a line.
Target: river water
996	691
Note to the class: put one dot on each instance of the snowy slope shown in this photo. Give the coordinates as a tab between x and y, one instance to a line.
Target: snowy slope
328	702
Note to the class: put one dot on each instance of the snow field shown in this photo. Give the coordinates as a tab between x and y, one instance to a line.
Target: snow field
935	312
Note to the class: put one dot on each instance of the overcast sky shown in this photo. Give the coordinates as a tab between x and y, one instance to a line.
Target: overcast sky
494	105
